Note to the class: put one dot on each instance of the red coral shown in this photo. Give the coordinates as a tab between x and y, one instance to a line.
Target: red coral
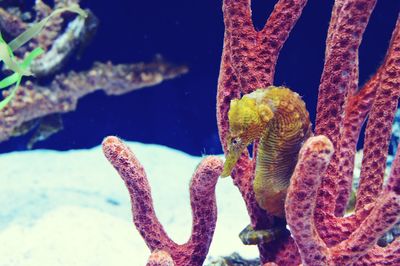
202	198
323	236
301	204
321	183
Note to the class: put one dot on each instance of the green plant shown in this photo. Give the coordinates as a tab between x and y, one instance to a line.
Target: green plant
21	69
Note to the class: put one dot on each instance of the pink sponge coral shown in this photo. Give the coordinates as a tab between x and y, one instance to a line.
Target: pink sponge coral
202	199
301	202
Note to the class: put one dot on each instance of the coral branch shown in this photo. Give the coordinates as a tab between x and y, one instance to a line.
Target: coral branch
356	110
300	203
274	35
339	79
202	197
335	229
133	174
62	94
355	114
253	54
384	215
382	256
350	19
287	253
239	28
378	131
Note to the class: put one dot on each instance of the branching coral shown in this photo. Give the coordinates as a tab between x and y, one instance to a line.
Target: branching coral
342	110
202	198
320	186
351	239
301	203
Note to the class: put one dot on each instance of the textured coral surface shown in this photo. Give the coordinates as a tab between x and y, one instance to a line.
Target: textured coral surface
320	186
202	198
321	233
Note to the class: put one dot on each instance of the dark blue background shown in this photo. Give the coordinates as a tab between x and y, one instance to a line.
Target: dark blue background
181	113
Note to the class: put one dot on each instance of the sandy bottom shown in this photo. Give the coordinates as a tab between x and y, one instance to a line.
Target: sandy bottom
71	208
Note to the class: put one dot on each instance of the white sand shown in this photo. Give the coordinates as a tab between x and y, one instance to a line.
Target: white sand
72	208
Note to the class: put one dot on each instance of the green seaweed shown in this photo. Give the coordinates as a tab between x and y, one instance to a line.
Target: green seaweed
17	76
22	69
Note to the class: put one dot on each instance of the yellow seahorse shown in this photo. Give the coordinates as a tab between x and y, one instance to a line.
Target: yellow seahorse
278	118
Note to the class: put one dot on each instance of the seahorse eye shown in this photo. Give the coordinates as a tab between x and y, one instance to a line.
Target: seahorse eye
236	144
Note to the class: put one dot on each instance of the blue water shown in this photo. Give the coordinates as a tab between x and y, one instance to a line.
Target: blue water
181	113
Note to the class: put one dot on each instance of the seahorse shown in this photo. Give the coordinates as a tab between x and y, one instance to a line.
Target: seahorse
278	118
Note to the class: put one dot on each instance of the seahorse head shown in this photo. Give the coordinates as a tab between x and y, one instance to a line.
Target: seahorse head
248	118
